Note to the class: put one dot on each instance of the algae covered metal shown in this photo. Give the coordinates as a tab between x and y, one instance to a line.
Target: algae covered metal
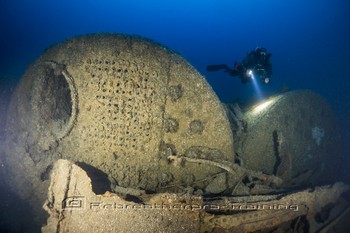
105	121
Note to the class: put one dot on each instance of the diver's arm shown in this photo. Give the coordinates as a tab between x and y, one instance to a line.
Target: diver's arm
224	67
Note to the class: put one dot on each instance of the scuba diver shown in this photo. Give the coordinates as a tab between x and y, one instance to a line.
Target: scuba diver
257	62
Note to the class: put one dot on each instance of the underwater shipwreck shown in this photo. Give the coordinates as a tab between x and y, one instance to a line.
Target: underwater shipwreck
117	133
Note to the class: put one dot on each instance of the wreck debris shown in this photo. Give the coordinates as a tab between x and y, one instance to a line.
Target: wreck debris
238	172
73	207
334	221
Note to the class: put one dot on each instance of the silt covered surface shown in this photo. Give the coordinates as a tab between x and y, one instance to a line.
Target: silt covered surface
294	136
121	105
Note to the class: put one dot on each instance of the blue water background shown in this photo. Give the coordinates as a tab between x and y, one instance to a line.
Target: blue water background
309	39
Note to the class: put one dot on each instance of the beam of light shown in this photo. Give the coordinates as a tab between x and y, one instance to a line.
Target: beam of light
256	85
263	106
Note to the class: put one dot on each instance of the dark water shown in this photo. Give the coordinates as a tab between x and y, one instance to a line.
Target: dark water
309	40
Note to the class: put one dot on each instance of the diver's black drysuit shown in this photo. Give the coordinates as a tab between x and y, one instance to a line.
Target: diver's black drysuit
257	61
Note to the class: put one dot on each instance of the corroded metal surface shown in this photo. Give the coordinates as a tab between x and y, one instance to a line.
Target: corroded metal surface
73	207
120	104
292	135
